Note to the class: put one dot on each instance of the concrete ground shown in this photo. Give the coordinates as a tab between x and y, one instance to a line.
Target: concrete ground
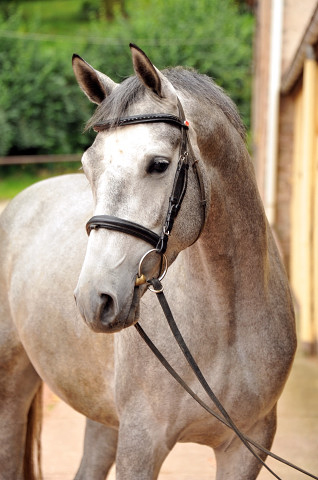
296	438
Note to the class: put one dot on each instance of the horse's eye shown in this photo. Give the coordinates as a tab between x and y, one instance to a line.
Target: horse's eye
158	165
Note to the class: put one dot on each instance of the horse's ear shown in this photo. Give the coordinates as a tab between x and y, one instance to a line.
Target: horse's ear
149	75
94	84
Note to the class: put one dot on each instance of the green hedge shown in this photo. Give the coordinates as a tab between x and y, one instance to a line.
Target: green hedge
41	107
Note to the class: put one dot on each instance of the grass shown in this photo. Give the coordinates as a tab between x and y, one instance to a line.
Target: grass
14	181
12	185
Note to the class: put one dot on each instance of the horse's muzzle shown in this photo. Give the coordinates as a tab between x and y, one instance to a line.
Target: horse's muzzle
105	313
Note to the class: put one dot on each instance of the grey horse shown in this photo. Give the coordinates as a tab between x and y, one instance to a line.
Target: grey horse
227	289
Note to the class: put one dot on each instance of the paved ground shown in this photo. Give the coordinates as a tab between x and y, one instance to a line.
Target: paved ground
296	439
3	203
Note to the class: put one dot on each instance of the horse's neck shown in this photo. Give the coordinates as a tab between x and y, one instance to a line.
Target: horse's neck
227	267
233	248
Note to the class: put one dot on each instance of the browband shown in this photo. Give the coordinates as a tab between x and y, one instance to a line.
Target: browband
146	118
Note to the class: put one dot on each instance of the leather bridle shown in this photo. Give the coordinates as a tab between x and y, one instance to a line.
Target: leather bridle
159	242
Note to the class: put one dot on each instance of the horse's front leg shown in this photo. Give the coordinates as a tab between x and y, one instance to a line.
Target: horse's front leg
235	462
99	454
143	445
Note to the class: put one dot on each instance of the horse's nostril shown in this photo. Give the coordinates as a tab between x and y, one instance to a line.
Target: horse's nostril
107	309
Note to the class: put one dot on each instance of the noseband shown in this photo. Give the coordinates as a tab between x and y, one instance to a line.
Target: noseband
159	242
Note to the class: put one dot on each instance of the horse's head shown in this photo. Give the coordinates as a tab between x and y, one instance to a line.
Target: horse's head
131	170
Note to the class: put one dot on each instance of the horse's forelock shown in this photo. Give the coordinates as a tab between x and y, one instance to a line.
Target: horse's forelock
200	87
127	93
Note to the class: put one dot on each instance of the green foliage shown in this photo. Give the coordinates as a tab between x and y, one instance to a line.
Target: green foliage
209	35
41	107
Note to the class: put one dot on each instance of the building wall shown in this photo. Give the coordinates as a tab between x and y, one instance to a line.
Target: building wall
284	177
296	210
296	17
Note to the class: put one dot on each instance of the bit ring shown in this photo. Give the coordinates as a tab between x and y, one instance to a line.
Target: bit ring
141	279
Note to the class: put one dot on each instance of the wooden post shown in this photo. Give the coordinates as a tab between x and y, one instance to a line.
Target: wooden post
295	260
305	283
315	228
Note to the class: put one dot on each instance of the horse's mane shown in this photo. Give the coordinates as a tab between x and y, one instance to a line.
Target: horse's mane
183	79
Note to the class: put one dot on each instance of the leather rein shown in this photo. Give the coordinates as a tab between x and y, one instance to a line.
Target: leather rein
159	242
